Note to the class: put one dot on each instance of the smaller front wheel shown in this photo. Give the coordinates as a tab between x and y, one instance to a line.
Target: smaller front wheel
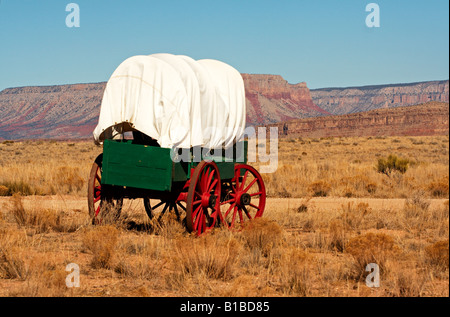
246	197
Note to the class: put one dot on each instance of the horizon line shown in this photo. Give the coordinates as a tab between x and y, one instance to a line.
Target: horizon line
372	86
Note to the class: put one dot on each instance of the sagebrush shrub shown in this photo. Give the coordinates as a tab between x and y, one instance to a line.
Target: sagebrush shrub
392	163
320	188
371	248
439	188
263	235
437	254
9	188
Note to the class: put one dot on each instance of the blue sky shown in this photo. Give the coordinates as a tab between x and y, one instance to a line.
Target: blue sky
325	43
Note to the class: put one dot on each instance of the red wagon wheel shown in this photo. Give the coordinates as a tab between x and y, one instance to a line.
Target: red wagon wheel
99	202
203	199
246	197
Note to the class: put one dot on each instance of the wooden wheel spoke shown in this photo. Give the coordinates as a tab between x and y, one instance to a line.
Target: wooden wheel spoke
158	205
197	210
208	182
202	223
166	206
177	213
97	210
234	215
254	206
247	213
243	180
250	185
182	207
203	180
229	209
240	215
227	201
211	187
197	216
237	174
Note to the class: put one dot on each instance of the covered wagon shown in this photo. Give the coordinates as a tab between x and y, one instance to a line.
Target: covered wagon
172	134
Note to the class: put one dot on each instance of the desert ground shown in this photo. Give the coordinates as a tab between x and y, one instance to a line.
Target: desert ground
334	206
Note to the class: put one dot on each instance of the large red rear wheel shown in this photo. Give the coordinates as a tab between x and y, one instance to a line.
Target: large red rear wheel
100	204
245	198
203	198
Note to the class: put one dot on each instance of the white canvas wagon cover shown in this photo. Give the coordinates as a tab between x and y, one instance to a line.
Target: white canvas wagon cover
175	100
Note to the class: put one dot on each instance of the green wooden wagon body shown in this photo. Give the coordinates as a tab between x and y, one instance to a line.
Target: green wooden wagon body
148	167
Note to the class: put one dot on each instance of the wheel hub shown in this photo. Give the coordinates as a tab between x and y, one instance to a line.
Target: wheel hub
244	199
209	200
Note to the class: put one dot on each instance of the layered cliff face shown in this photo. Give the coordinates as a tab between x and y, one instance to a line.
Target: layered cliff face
358	99
65	111
272	99
431	118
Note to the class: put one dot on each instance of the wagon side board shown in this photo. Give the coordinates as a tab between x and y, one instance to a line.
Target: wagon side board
133	165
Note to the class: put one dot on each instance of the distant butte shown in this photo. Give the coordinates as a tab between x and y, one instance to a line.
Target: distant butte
365	98
270	99
431	118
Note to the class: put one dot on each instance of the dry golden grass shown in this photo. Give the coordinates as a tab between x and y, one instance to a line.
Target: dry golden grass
45	167
347	167
318	252
329	214
101	242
